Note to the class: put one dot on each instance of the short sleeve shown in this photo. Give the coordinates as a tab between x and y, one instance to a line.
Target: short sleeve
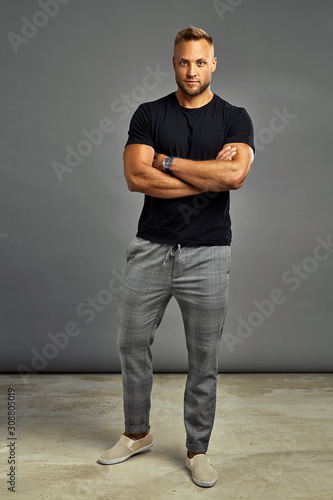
240	128
140	130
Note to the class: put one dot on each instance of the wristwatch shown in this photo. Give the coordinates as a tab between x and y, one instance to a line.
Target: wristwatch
167	164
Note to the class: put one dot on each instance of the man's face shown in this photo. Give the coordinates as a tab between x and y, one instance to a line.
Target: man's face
194	63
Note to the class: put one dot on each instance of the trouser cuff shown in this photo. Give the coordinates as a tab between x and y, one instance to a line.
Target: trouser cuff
134	429
196	448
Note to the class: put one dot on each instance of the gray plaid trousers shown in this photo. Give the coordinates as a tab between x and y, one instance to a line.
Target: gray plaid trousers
198	278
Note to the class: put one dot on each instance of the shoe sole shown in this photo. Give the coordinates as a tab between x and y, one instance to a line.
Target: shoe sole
200	483
122	459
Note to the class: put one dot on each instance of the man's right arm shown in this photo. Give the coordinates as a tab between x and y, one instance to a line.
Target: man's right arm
143	178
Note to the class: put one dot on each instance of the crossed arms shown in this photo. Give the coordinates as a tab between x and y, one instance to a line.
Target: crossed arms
144	171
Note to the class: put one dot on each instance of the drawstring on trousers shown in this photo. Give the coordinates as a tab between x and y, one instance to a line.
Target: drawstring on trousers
173	249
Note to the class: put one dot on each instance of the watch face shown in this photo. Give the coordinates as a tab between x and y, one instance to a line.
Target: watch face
168	162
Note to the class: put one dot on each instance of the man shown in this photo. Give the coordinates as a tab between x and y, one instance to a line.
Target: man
185	152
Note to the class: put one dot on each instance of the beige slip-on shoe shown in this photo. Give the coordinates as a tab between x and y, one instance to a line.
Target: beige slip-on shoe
125	448
203	473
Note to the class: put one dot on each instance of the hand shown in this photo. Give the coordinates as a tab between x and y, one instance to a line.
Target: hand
158	161
227	153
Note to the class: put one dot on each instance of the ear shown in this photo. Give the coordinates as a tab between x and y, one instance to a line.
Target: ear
174	63
214	63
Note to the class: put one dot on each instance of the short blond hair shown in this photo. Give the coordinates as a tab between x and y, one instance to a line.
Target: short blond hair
193	33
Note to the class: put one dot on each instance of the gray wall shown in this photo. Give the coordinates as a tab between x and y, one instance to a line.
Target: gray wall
66	218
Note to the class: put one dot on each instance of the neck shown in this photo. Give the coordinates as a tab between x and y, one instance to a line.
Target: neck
194	101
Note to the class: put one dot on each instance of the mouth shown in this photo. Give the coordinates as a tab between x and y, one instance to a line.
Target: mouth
191	82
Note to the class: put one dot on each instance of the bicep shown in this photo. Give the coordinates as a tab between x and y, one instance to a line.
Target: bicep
136	158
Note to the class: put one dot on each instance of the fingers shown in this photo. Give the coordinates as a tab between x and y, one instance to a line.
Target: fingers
226	153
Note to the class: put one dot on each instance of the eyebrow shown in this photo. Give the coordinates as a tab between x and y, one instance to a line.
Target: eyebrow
197	60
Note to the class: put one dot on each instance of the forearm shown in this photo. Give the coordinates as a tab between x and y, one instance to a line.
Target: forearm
160	184
142	177
228	171
211	175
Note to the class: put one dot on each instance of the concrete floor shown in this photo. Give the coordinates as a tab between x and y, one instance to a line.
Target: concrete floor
272	439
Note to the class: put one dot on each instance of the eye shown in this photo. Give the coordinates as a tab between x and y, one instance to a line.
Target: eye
201	63
183	63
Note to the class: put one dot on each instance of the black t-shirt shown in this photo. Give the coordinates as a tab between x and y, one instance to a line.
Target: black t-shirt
194	134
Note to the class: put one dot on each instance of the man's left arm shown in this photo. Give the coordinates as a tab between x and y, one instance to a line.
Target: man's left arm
213	175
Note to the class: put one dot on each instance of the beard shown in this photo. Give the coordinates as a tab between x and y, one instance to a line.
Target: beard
193	91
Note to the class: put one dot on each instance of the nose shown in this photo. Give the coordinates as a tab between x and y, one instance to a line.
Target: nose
191	70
